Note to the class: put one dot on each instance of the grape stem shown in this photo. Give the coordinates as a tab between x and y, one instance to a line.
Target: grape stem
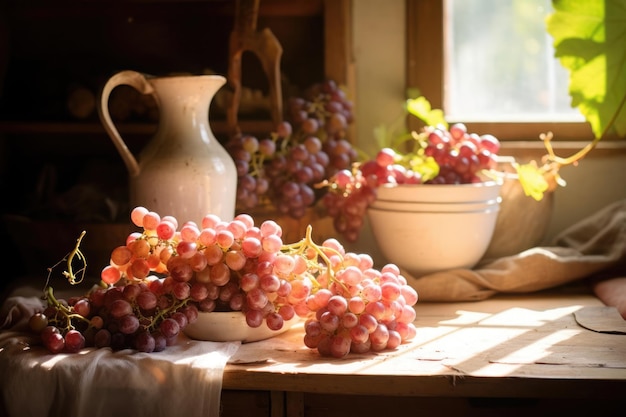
62	308
560	161
551	161
69	274
72	279
163	313
69	258
306	243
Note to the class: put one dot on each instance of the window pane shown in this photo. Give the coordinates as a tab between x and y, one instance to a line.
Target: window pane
500	65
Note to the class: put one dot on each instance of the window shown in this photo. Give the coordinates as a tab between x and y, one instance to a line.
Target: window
490	64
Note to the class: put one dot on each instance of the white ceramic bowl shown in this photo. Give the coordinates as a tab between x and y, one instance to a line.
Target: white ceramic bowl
440	193
231	327
421	240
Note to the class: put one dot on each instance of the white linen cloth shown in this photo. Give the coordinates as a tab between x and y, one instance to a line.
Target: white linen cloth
183	380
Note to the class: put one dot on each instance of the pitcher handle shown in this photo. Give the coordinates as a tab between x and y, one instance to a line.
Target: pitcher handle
141	84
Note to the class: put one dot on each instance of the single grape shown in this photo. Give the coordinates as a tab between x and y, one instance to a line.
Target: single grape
140	248
181	290
144	342
74	341
340	345
110	275
337	305
96	322
120	308
121	255
118	341
160	342
102	338
198	291
38	322
191	312
254	318
274	321
130	292
137	215
169	328
181	318
151	220
360	347
128	324
53	339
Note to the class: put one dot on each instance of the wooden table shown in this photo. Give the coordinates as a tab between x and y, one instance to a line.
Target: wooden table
510	355
525	353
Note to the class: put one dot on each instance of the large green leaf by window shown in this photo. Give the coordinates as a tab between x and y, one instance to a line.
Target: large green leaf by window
590	42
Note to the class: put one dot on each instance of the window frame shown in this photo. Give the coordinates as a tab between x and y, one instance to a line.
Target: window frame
425	43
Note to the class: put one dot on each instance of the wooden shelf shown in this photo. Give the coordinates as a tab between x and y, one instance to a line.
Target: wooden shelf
268	8
48	49
80	43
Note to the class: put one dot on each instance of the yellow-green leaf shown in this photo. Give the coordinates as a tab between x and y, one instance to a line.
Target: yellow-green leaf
420	107
532	180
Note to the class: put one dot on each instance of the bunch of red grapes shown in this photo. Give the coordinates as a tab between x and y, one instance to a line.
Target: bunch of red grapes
437	156
163	277
310	146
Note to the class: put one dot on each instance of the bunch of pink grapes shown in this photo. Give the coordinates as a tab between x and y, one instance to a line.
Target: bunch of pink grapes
359	308
436	156
163	277
461	155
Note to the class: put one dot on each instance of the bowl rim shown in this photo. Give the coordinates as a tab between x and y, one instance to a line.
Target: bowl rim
440	193
211	326
479	184
488	210
491	201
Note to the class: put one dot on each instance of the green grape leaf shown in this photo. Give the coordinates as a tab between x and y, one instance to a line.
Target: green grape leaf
420	108
532	180
590	42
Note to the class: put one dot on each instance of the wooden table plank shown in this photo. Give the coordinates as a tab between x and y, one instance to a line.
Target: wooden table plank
520	346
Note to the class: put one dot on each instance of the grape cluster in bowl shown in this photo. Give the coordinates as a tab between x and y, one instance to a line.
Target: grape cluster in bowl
437	155
461	156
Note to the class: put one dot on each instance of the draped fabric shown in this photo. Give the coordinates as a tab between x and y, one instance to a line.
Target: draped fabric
592	247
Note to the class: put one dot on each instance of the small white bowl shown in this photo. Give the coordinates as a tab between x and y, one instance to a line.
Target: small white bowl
227	326
421	239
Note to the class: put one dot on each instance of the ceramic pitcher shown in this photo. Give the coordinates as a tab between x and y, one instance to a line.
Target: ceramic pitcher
183	170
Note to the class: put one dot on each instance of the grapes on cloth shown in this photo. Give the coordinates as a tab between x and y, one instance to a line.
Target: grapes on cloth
160	279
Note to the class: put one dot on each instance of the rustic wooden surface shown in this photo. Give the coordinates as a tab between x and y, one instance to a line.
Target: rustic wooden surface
508	346
509	355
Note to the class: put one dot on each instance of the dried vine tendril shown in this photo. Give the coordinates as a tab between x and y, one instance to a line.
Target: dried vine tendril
72	277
